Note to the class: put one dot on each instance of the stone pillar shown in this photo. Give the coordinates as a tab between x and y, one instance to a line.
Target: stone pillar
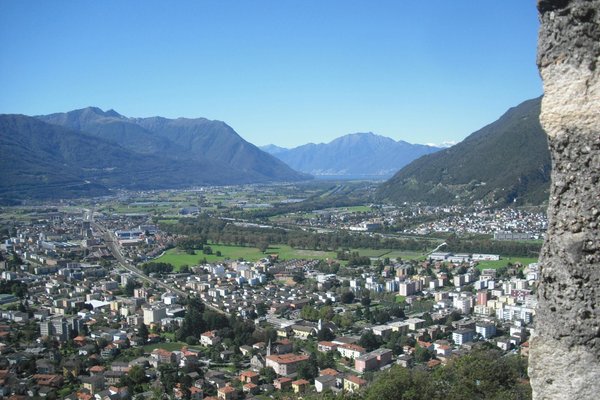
564	360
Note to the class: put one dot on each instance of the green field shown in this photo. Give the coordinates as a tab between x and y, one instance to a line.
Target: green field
503	262
177	257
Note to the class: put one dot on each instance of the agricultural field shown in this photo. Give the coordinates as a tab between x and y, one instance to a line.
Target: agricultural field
178	257
503	262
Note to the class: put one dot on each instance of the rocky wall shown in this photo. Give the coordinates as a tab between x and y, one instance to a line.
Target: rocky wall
565	348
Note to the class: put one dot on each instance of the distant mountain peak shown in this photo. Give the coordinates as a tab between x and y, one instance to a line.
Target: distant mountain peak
355	155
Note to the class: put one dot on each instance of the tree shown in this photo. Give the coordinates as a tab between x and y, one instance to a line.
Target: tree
298	276
143	333
422	354
129	287
193	323
326	360
347	297
137	375
369	341
261	309
268	374
308	369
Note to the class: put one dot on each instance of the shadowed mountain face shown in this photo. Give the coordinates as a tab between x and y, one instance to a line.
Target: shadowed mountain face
352	156
87	152
181	139
507	161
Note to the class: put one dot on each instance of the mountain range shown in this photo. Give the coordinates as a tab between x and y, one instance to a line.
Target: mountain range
89	151
505	162
358	155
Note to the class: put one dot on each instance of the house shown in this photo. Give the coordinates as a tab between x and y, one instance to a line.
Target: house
227	393
120	366
257	362
486	330
284	331
325	346
282	383
303	332
209	338
161	356
373	360
325	382
504	344
113	377
110	350
97	370
461	336
250	388
283	346
249	377
353	383
51	380
196	393
405	360
366	362
245	350
442	348
300	385
94	384
285	364
351	351
44	366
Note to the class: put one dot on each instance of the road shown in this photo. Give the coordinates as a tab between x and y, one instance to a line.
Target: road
113	246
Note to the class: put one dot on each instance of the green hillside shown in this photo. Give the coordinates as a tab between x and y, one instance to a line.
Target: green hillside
507	161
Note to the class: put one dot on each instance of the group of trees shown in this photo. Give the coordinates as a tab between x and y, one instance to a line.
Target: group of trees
485	373
206	228
157	267
354	258
510	248
17	288
198	320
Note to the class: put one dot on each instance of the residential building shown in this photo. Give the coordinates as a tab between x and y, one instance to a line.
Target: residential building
353	383
209	338
300	385
351	351
461	336
285	364
486	330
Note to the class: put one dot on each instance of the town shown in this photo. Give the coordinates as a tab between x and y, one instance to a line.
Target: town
101	301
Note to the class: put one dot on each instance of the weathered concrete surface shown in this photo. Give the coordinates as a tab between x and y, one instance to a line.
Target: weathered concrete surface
564	360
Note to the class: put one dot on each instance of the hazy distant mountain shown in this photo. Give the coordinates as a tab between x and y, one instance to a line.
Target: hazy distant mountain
181	139
506	161
352	156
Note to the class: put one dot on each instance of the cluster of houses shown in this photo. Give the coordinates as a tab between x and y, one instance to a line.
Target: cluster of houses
84	301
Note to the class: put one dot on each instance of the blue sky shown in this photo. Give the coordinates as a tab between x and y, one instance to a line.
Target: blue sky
282	72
